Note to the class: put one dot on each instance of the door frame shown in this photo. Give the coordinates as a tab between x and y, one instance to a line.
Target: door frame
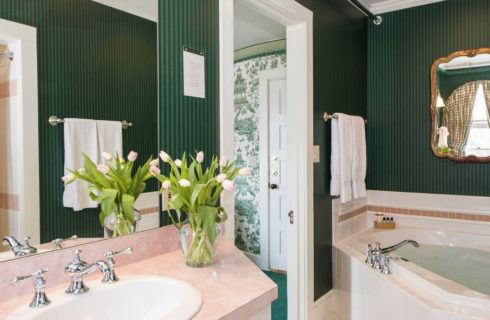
263	259
299	80
27	126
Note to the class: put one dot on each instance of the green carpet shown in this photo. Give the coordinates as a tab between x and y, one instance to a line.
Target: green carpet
280	306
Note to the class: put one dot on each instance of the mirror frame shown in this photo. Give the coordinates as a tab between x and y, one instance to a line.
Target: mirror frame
433	84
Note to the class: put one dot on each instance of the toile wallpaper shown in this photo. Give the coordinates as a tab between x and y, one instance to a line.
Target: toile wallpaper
246	123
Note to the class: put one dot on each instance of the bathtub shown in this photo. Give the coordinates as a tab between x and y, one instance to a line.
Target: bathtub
438	278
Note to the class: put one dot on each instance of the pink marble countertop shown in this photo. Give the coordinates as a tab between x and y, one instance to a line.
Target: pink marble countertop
232	288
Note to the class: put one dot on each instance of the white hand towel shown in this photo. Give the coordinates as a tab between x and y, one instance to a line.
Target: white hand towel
359	162
341	158
80	135
109	136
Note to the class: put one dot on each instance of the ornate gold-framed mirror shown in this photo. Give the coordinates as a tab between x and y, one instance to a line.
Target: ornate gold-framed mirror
460	106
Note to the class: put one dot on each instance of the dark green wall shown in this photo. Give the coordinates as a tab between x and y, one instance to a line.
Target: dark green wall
93	62
188	123
340	64
450	80
400	53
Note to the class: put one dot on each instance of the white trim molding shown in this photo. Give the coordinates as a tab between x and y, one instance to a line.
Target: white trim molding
27	127
394	5
132	7
299	54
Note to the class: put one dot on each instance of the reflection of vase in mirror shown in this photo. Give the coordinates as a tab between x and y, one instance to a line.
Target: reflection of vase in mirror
461	106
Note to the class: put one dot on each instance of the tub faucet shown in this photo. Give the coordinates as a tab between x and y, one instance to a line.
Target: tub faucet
399	245
385	264
79	268
18	249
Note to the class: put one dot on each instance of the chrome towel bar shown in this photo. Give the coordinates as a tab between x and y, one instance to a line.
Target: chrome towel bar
54	120
327	116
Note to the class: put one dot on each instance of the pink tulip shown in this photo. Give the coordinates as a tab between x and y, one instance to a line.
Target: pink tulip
132	156
164	156
244	172
221	177
69	177
200	157
184	183
154	170
103	168
166	184
154	163
178	162
229	185
223	160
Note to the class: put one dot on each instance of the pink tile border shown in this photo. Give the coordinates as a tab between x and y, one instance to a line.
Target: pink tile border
8	89
352	214
9	201
149	210
431	213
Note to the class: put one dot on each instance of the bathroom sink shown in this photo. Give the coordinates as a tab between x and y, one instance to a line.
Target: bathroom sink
132	297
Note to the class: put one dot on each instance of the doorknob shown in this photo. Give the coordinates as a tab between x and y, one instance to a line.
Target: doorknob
273	186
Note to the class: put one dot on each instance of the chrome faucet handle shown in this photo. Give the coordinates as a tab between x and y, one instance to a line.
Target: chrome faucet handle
369	258
111	276
40	299
385	264
76	270
58	241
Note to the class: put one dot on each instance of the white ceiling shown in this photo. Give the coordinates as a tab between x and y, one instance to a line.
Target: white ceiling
251	27
147	9
382	6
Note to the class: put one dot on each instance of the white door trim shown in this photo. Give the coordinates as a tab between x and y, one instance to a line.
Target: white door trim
263	260
299	29
25	36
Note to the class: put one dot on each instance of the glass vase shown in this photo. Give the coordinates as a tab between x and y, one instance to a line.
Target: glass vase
116	225
197	249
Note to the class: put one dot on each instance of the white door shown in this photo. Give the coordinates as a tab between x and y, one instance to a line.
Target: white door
277	173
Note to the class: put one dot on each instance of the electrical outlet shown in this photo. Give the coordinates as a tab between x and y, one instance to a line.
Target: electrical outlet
316	154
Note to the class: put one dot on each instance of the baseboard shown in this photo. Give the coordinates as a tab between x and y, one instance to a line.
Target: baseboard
325	308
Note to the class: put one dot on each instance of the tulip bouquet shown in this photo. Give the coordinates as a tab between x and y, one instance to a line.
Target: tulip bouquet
196	191
114	187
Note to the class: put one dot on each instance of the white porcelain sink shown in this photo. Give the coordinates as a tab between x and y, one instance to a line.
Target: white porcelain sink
131	298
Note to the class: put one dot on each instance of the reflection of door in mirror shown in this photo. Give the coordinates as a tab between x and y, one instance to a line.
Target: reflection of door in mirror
461	106
9	192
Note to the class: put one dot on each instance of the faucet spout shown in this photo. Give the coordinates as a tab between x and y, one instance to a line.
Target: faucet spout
399	245
12	242
77	269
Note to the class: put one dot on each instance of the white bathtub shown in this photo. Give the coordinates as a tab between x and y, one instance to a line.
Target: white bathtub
441	289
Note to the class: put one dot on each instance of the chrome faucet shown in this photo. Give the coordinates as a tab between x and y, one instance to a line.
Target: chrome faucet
385	264
375	254
18	249
57	242
399	245
40	299
111	277
78	268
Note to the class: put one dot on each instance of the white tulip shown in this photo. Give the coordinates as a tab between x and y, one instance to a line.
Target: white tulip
166	184
244	172
223	160
184	183
154	163
221	177
103	168
178	162
229	185
200	157
132	156
107	156
164	156
82	171
154	170
69	177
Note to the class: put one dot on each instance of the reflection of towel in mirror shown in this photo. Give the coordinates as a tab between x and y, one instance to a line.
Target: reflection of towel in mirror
109	136
443	133
80	136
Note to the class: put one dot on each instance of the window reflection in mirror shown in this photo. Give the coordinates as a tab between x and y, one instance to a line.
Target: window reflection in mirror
461	106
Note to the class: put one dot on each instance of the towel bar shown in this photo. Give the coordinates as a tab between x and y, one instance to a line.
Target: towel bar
327	117
54	120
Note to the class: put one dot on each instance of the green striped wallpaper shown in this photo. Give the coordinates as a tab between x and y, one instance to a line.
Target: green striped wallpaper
400	53
187	123
93	62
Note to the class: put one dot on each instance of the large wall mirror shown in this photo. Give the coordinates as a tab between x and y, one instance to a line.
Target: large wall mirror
460	87
88	60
